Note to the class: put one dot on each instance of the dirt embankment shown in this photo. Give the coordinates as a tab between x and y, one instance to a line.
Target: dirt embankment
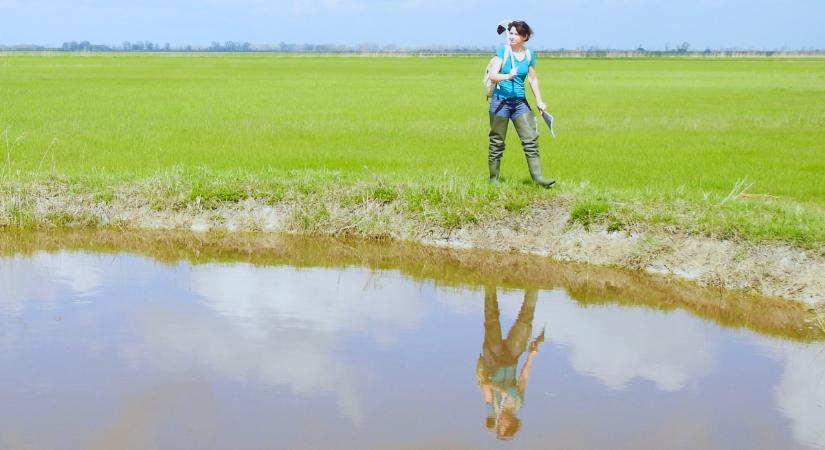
767	269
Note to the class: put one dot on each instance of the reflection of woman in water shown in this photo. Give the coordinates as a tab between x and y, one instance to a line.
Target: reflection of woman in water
497	364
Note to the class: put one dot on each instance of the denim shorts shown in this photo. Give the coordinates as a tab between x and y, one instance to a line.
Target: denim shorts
509	107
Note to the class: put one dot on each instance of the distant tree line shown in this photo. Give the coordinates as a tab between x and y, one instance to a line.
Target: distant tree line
143	46
232	46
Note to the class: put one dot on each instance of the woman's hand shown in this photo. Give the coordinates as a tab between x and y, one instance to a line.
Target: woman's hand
512	74
541	106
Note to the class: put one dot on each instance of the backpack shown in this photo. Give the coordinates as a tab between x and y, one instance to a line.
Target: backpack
490	85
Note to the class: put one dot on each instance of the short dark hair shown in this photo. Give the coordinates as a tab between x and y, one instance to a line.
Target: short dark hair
522	29
508	430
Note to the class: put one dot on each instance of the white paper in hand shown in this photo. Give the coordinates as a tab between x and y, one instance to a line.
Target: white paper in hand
548	119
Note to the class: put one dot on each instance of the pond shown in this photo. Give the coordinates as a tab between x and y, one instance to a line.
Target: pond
130	348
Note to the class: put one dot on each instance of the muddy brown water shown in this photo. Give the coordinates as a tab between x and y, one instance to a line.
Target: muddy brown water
177	341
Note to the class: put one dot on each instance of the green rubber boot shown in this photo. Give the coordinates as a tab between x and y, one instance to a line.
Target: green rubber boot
494	169
535	173
525	125
498	133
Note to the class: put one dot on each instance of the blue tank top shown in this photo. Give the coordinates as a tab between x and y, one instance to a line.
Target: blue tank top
514	88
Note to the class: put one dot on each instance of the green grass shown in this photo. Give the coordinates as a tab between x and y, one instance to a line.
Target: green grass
589	211
662	141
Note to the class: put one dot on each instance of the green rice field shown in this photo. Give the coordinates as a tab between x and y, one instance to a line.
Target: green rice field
652	130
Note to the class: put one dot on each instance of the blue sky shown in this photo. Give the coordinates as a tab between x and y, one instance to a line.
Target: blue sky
756	24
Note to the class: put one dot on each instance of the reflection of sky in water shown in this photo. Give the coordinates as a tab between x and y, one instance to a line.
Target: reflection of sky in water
670	349
279	325
617	345
317	299
800	394
374	348
44	275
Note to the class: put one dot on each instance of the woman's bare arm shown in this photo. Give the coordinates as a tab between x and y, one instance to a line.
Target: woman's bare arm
500	76
533	79
521	383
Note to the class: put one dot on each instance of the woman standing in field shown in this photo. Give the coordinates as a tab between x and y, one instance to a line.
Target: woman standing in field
509	102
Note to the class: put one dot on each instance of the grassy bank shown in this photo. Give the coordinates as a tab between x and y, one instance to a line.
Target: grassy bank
442	201
716	147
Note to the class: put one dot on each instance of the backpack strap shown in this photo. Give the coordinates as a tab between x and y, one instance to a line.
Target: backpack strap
528	54
507	54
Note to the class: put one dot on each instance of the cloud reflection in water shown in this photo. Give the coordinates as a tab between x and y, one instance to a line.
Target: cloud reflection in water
616	345
281	326
289	327
43	276
800	394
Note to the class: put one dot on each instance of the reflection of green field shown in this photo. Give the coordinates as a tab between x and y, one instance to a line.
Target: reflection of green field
632	128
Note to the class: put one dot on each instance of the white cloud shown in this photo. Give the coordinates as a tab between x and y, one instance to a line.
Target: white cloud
280	326
82	272
43	275
800	394
617	345
305	360
379	304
